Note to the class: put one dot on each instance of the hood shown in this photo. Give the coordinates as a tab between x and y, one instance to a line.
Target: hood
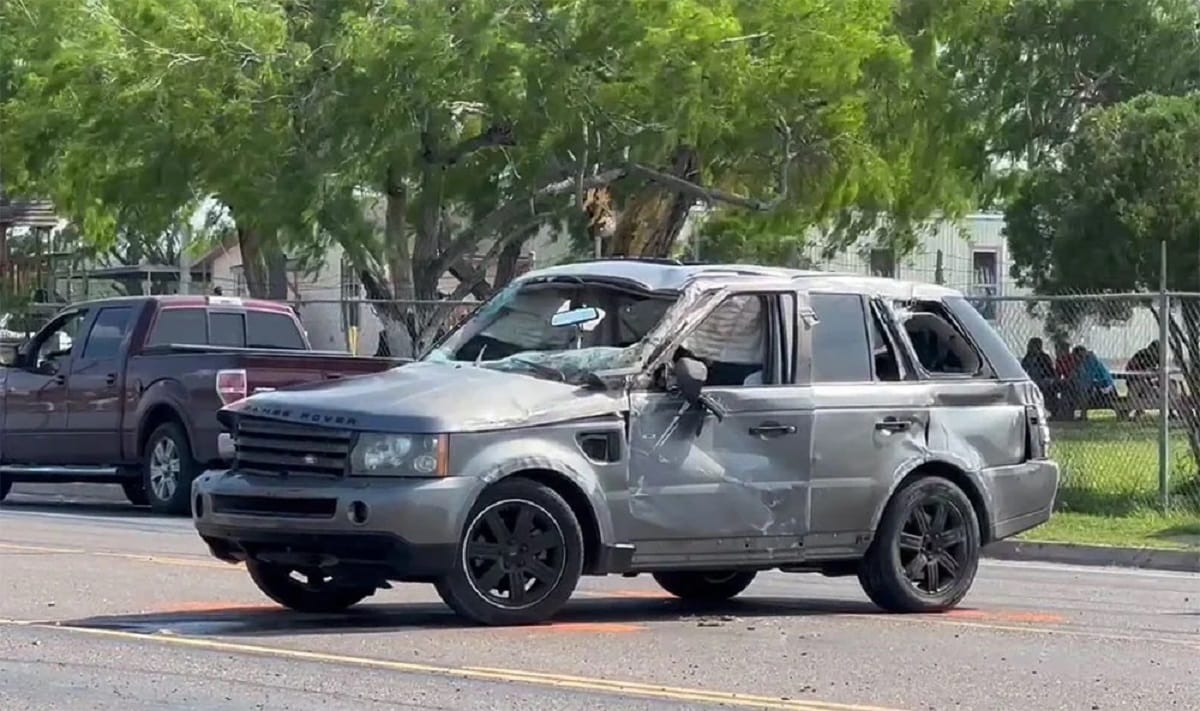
431	398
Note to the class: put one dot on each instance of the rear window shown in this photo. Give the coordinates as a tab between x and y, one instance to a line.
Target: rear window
227	329
179	326
265	329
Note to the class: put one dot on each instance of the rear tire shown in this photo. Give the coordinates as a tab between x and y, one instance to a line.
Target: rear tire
926	551
168	469
135	491
705	586
317	594
520	536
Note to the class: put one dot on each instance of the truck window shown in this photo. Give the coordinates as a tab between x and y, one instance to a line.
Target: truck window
108	331
181	326
732	341
940	348
227	329
265	329
840	350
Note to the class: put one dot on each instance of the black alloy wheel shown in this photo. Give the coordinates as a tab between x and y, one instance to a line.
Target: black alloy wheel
933	545
520	557
926	551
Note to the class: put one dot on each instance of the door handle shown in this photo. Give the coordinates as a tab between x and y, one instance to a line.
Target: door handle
892	424
60	379
110	379
772	429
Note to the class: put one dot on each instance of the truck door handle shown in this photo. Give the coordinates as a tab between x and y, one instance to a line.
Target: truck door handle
60	379
772	429
892	424
110	379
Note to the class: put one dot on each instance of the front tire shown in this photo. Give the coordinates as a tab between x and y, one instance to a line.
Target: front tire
317	593
168	469
709	586
926	551
519	559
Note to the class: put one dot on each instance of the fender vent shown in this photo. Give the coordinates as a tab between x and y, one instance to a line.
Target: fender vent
600	447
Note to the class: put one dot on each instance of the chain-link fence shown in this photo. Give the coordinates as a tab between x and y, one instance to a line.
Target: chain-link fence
1097	358
1100	371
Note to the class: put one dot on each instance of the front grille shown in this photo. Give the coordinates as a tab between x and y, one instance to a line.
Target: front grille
274	506
273	448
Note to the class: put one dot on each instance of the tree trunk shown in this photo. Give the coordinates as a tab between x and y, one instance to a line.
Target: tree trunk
650	224
276	274
250	244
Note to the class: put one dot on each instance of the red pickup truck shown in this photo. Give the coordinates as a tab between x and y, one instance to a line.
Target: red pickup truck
126	390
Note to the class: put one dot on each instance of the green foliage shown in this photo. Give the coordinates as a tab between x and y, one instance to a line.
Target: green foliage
1127	182
128	112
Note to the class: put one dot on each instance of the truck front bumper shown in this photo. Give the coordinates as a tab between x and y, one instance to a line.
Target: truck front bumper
401	529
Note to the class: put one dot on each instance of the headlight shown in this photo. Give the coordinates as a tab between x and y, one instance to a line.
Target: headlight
399	455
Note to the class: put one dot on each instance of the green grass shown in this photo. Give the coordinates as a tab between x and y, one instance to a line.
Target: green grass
1145	529
1109	493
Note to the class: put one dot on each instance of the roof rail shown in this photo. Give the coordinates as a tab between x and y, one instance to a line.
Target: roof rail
624	258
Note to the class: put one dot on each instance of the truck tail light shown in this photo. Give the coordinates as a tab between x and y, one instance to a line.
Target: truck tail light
231	385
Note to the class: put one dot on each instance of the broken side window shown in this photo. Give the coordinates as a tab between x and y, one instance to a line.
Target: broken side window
940	347
731	341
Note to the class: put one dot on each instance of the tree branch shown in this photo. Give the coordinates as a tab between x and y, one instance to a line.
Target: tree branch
495	220
495	135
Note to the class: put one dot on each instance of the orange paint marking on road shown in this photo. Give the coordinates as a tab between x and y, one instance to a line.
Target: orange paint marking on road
1030	618
215	608
591	627
637	594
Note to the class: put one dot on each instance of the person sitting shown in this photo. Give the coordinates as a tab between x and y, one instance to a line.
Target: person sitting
1142	379
1093	383
1040	368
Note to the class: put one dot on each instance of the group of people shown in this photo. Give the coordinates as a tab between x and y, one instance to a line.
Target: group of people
1076	380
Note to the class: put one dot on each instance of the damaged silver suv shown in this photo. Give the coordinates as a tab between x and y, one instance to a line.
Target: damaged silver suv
697	423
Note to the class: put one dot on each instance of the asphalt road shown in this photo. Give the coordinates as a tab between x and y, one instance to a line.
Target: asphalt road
103	606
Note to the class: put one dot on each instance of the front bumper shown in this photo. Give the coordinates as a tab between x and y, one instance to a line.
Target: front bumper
407	529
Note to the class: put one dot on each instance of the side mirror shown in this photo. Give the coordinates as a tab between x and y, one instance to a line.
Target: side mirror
690	376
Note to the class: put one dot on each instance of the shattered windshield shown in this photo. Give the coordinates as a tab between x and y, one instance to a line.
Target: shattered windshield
558	330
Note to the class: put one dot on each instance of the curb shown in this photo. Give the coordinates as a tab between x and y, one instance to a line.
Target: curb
1098	556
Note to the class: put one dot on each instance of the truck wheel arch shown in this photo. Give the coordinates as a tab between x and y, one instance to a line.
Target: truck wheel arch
156	415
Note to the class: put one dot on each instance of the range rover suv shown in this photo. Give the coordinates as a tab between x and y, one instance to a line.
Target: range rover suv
699	424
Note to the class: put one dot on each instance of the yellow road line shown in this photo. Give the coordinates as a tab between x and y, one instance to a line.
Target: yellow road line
141	558
899	619
560	681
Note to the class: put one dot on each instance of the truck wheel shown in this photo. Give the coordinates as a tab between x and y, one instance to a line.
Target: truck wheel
135	491
708	586
315	593
926	551
519	559
5	487
168	469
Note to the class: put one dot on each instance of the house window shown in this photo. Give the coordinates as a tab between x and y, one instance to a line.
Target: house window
883	262
985	282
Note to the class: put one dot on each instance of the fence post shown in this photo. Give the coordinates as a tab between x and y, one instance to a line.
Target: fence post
1164	383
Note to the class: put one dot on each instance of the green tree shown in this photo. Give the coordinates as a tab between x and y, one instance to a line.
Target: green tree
471	125
1128	180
